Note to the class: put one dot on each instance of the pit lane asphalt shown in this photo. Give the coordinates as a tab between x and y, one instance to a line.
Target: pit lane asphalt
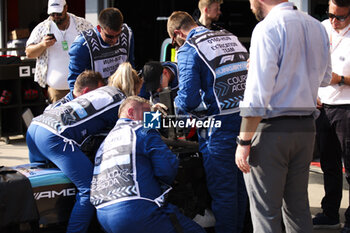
16	153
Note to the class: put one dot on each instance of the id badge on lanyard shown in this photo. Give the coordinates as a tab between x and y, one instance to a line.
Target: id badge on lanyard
64	45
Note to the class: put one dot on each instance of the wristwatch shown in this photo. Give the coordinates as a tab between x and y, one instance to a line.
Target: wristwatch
242	142
342	81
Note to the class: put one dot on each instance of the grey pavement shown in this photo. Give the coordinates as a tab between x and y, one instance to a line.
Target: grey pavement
13	153
16	152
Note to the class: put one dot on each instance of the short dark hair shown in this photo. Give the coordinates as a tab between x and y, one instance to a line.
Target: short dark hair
88	78
341	3
111	18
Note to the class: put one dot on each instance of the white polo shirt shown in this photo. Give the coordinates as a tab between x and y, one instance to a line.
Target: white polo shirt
340	53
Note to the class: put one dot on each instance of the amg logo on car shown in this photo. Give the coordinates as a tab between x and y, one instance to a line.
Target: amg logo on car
54	194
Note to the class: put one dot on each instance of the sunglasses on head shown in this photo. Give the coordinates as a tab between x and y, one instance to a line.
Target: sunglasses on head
55	14
340	18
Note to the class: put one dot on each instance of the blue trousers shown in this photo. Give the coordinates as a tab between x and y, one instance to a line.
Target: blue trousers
224	180
140	216
43	146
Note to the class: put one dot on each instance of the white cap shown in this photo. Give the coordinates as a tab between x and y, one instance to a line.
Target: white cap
55	6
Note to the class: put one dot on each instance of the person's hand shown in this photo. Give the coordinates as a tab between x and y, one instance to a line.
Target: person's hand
335	78
242	153
248	63
160	107
48	41
319	103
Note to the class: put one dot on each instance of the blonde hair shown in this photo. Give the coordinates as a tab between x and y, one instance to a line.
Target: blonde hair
126	79
136	100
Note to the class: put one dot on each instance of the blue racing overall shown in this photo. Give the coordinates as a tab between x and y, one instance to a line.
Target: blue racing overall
133	171
212	77
57	134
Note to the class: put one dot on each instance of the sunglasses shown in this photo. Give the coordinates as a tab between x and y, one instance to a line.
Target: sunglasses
56	14
110	36
340	18
173	40
174	43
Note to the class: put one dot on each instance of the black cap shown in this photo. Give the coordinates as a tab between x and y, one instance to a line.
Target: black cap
151	73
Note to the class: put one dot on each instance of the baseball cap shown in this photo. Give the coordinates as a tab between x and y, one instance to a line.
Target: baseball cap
151	73
55	6
171	66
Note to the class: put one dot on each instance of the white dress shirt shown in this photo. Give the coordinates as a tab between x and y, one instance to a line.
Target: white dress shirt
340	50
289	60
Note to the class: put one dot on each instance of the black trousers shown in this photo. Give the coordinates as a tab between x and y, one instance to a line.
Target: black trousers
333	137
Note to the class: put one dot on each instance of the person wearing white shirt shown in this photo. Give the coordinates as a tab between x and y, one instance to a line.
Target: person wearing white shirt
49	43
333	124
289	60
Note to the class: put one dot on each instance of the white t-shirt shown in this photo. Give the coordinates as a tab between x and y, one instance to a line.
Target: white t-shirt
57	72
340	52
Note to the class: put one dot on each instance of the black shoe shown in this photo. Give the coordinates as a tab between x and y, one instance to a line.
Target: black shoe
321	221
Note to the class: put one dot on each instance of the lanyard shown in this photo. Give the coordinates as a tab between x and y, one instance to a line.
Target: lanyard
63	33
64	42
340	40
